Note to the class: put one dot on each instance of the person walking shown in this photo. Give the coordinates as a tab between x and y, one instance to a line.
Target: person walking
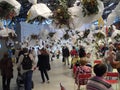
66	54
6	68
43	64
26	65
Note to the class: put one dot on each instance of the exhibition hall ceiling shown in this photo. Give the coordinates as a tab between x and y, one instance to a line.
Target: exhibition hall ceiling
108	4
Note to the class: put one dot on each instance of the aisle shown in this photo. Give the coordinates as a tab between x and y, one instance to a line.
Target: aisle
58	74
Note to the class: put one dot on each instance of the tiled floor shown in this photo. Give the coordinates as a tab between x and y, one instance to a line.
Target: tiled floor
58	74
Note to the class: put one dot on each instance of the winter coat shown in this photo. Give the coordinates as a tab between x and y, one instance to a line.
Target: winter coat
43	62
6	67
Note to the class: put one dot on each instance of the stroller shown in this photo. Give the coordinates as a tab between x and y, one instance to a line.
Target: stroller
20	81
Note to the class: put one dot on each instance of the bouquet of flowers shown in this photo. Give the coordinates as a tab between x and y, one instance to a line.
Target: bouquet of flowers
89	7
33	36
66	36
61	15
6	10
99	35
51	34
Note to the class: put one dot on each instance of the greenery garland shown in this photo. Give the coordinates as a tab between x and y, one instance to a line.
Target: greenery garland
99	35
34	36
66	36
61	15
117	37
6	10
89	7
51	34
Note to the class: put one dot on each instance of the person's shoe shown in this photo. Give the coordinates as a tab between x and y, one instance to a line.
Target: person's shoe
48	81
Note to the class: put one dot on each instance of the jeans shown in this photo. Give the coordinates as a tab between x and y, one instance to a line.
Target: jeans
6	83
44	72
28	80
67	60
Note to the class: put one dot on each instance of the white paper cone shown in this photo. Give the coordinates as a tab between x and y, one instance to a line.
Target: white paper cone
14	3
78	18
33	1
39	10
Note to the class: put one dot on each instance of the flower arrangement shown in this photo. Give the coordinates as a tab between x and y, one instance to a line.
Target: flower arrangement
51	34
12	36
117	37
99	35
6	10
61	15
39	18
66	36
89	7
86	33
33	36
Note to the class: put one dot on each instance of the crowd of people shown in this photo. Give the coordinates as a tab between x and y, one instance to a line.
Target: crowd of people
80	59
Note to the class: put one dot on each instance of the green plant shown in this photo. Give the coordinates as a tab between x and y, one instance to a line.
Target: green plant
61	15
6	10
89	7
99	35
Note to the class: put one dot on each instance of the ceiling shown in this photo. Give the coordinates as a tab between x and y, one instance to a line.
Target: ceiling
108	4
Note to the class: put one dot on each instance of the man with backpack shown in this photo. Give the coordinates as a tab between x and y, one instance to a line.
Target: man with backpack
26	66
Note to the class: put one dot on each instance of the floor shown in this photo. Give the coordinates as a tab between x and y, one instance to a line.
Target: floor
59	73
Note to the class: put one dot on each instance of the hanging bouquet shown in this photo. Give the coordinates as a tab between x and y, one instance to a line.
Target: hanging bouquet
51	34
99	35
6	10
38	11
86	33
34	36
66	36
61	15
89	7
117	37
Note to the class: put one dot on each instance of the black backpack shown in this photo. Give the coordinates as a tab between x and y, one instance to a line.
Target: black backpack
27	62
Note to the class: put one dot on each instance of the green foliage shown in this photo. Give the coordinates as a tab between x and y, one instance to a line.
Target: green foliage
51	34
117	37
5	9
66	36
99	35
61	15
86	33
89	7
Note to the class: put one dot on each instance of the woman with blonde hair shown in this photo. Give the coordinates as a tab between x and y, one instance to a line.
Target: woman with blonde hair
82	69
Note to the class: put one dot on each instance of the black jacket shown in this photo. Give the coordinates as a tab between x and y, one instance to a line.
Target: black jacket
43	62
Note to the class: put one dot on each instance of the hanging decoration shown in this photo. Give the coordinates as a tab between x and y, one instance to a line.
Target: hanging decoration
34	36
86	33
99	35
116	35
7	33
78	19
100	22
9	9
38	11
89	7
61	16
51	34
6	10
66	36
